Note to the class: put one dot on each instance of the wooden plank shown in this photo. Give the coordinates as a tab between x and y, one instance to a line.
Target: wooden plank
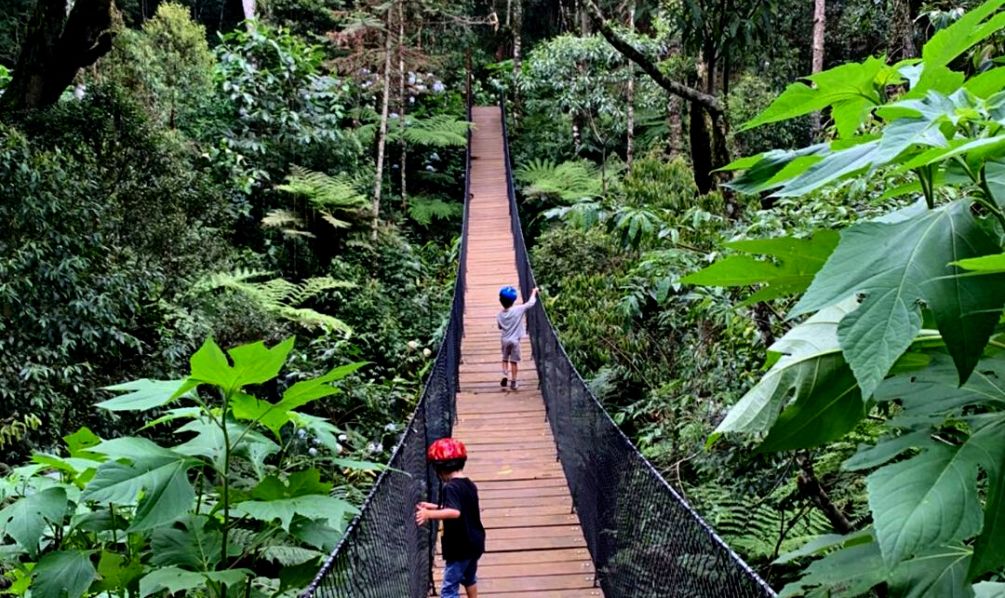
535	545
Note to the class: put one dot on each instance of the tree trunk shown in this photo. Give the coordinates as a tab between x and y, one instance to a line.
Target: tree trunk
382	136
630	97
675	124
401	100
56	48
902	31
517	39
249	9
819	27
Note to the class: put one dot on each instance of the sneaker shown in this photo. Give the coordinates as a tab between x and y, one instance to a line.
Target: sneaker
513	385
503	382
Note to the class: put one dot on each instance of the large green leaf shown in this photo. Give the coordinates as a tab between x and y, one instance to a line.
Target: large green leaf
950	42
254	363
312	506
940	571
797	261
825	411
809	356
849	89
850	571
145	394
195	547
931	499
896	268
172	579
158	485
25	520
64	574
209	442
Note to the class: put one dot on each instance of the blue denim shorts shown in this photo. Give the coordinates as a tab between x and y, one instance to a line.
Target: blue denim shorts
457	574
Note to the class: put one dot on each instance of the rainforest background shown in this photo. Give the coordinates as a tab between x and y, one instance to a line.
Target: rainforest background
291	171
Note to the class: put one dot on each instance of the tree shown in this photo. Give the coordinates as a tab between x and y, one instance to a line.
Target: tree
57	47
382	135
819	23
707	153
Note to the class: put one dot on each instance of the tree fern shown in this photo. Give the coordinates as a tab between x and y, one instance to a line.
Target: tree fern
441	130
326	194
282	297
569	181
424	209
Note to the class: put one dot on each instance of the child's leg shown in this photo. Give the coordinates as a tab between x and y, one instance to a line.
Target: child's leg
470	578
514	368
453	575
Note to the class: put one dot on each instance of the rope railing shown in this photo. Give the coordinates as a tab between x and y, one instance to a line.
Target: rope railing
645	539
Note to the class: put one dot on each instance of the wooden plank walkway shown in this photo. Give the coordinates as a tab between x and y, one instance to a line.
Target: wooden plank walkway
534	543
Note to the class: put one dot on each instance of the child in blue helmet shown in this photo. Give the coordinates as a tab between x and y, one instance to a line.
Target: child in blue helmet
510	322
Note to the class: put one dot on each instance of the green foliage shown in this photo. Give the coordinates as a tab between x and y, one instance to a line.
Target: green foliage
209	510
423	210
935	491
284	107
796	263
281	297
568	181
326	195
167	66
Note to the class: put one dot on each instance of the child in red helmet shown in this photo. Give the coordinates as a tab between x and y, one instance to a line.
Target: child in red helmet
463	533
510	322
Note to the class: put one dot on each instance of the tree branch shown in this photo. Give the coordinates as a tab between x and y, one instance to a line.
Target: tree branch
709	102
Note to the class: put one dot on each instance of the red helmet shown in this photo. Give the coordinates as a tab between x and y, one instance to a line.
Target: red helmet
446	449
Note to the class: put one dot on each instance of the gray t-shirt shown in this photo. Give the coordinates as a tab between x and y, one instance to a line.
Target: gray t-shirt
510	321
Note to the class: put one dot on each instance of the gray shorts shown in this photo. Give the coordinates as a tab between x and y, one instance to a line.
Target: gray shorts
510	351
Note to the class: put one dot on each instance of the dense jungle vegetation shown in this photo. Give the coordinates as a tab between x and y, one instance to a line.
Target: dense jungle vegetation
769	232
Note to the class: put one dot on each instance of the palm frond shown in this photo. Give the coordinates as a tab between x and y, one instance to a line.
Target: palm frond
569	181
424	209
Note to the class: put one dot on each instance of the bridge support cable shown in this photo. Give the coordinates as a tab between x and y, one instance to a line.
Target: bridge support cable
645	539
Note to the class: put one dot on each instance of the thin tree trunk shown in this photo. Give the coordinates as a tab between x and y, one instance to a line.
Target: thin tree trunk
401	100
382	136
517	38
675	124
630	96
819	28
56	47
902	31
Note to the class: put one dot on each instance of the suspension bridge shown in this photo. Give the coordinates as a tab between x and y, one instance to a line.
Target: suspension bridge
571	508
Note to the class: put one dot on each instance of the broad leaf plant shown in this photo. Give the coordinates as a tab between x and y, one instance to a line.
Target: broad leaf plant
899	317
230	502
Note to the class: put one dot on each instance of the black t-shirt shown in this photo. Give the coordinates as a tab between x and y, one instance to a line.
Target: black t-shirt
464	537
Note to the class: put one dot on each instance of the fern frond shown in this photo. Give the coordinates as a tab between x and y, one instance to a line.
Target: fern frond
423	209
335	222
281	218
441	130
282	297
569	181
322	190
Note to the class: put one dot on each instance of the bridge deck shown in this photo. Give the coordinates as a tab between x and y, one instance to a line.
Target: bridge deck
534	543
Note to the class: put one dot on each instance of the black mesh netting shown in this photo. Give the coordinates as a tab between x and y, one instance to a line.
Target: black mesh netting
645	540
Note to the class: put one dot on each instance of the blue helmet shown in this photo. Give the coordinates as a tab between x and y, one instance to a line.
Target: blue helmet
508	293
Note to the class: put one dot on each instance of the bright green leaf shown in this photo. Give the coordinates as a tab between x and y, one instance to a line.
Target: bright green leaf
25	521
895	268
